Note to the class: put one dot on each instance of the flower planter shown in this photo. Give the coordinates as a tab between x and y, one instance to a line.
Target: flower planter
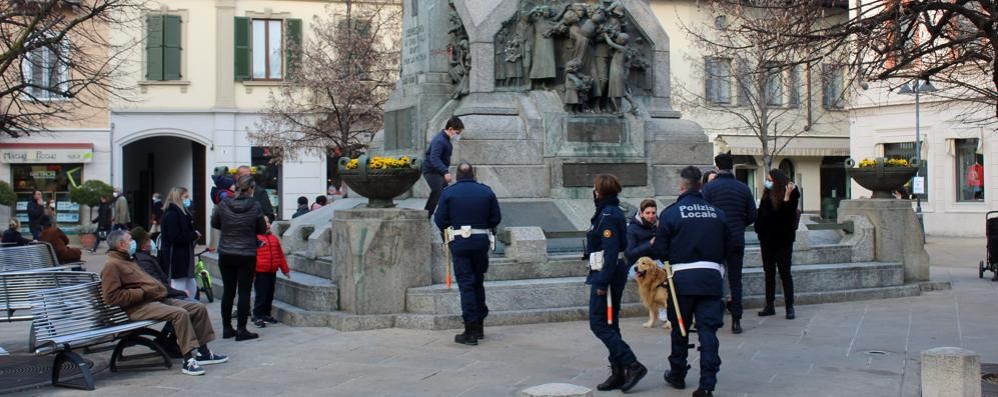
380	186
881	180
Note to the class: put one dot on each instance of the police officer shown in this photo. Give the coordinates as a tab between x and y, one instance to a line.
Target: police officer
468	210
436	168
608	235
693	236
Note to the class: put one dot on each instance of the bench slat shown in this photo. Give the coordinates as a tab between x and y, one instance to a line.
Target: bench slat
16	288
76	315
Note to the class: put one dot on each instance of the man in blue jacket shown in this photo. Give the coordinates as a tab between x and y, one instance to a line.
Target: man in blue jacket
693	237
468	211
735	199
436	168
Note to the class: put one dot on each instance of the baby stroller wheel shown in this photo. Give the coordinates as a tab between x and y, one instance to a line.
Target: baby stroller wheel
981	270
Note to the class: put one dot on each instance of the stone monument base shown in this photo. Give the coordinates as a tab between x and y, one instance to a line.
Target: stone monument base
898	234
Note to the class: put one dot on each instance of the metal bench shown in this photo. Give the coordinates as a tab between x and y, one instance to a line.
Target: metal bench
16	289
75	317
33	257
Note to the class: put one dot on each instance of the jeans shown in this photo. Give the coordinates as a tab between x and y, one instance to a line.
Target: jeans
436	183
237	272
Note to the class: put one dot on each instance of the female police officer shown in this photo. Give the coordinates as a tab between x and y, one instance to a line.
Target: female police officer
607	239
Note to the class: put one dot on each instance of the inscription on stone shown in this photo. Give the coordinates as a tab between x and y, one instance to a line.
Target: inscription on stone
413	52
582	175
399	125
595	129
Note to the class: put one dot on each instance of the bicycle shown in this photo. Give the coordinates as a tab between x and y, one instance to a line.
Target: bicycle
203	277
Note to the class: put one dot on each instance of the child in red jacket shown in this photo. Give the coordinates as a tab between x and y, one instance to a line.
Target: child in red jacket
269	259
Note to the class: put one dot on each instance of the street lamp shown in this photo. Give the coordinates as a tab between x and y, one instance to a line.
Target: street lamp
916	87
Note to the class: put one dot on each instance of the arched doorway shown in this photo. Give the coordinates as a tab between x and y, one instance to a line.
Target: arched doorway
158	164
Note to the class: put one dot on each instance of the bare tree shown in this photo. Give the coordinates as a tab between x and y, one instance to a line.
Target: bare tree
952	42
761	83
335	98
57	57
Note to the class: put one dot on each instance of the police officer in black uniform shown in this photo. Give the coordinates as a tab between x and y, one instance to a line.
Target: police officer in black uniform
608	234
467	212
693	236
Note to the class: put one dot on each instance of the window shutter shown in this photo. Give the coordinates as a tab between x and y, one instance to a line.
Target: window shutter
242	58
171	47
154	47
292	46
708	67
744	82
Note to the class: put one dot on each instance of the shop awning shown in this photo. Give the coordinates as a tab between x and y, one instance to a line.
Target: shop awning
805	146
46	153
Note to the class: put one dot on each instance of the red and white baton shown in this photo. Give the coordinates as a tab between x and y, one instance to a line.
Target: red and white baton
609	307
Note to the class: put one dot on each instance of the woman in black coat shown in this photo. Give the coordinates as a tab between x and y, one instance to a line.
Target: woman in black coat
641	232
12	235
103	221
240	220
178	237
776	226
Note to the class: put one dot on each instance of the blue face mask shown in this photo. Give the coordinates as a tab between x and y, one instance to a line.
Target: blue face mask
132	247
768	185
187	203
152	246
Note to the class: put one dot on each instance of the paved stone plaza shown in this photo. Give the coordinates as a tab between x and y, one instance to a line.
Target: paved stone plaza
868	348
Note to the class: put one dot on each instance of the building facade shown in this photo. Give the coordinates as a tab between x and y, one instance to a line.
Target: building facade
808	99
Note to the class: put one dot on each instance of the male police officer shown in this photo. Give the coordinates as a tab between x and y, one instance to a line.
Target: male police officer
436	168
734	198
466	213
694	237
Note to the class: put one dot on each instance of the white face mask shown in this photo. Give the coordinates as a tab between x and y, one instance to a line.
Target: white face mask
456	138
768	185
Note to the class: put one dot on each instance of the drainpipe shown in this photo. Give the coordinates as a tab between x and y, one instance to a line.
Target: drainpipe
110	144
807	127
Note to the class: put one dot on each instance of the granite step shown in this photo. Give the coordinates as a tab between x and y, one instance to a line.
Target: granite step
546	293
320	267
501	269
303	290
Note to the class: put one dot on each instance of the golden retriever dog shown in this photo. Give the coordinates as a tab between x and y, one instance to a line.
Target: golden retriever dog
653	288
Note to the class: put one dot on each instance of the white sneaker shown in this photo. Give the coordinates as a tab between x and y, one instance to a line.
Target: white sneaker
191	367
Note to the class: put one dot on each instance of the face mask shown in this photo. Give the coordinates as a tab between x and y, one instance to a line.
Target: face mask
187	203
768	185
456	138
152	246
132	246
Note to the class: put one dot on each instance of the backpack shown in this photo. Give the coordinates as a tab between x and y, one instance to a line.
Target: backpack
217	195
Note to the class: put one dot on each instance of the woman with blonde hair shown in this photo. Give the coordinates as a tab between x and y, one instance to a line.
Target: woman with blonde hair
13	234
178	238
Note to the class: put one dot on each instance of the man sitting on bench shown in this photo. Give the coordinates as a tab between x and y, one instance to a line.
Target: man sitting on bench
143	297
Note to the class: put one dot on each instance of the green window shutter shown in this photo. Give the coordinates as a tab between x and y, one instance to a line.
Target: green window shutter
171	47
292	46
154	47
243	41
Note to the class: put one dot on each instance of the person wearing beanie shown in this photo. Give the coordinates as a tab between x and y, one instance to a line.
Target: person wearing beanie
302	207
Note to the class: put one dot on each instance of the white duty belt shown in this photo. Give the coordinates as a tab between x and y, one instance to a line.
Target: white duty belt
452	234
698	265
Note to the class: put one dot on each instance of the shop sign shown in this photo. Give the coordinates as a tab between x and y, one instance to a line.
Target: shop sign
46	155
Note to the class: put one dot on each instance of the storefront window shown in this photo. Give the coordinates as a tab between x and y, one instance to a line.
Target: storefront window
268	176
54	181
906	151
969	171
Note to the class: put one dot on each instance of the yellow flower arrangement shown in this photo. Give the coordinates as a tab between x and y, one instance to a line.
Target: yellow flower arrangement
380	163
866	163
233	170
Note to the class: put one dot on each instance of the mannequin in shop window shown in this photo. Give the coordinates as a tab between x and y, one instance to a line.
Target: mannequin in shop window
975	180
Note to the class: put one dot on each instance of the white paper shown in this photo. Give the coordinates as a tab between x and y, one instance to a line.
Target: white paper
918	185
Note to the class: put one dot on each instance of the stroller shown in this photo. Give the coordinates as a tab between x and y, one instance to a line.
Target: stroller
991	264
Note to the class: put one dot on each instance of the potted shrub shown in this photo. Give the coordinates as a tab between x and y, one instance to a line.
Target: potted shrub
380	179
88	195
882	175
7	196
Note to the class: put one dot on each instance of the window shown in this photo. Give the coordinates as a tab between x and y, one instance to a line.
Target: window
266	49
267	176
745	82
163	47
831	86
969	171
906	151
717	80
795	85
46	72
774	86
54	181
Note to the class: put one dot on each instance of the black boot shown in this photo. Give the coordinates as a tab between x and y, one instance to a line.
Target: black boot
736	326
703	393
615	380
790	312
468	337
228	331
243	334
632	375
767	311
675	380
479	329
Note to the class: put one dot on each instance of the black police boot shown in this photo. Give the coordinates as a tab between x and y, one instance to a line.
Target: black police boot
790	312
767	311
674	380
479	329
632	375
468	337
703	393
615	380
736	326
